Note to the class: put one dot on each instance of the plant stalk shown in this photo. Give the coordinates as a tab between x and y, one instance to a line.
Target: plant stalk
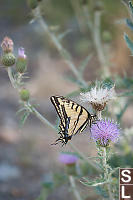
74	188
106	176
98	42
9	70
99	115
63	52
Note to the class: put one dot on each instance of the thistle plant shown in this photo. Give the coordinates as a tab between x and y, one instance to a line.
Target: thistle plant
104	132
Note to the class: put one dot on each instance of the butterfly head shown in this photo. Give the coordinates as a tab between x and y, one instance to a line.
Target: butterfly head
94	118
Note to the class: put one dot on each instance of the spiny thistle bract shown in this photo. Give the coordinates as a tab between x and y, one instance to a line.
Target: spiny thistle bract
8	59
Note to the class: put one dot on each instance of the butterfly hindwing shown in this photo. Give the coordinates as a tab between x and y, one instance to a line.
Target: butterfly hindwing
73	117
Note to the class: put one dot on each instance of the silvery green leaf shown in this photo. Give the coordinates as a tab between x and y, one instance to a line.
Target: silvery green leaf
107	83
31	21
129	23
114	170
129	43
102	192
20	110
97	182
24	118
73	80
54	28
62	35
131	7
125	2
66	54
84	64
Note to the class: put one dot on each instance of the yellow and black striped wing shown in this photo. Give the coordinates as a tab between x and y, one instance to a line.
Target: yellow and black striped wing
73	117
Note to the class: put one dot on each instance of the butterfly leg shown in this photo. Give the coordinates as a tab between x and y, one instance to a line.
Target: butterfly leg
60	139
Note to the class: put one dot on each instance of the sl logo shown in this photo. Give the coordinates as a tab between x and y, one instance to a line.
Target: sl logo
126	184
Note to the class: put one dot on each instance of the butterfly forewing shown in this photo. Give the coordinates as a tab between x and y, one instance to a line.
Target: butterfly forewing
74	118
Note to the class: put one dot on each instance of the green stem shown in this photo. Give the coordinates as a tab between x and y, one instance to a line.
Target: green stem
106	175
99	115
95	29
97	38
98	42
39	116
63	52
9	70
44	194
75	190
79	15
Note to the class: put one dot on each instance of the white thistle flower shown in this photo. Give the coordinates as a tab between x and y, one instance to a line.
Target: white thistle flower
98	97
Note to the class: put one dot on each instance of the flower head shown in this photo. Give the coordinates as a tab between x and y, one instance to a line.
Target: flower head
7	45
21	63
21	53
105	131
98	97
68	159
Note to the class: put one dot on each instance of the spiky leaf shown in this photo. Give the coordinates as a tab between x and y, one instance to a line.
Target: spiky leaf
129	43
129	23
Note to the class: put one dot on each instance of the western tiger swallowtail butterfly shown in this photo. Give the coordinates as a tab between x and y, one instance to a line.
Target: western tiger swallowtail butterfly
73	118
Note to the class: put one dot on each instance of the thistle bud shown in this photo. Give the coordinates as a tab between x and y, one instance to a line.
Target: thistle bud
7	45
24	95
32	4
21	63
69	160
8	59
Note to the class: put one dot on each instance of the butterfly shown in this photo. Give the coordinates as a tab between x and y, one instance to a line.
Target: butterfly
73	118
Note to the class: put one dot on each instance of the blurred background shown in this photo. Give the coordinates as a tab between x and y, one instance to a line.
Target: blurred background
26	156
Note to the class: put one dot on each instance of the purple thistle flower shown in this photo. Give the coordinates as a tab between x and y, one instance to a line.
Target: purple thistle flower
67	158
21	53
105	131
